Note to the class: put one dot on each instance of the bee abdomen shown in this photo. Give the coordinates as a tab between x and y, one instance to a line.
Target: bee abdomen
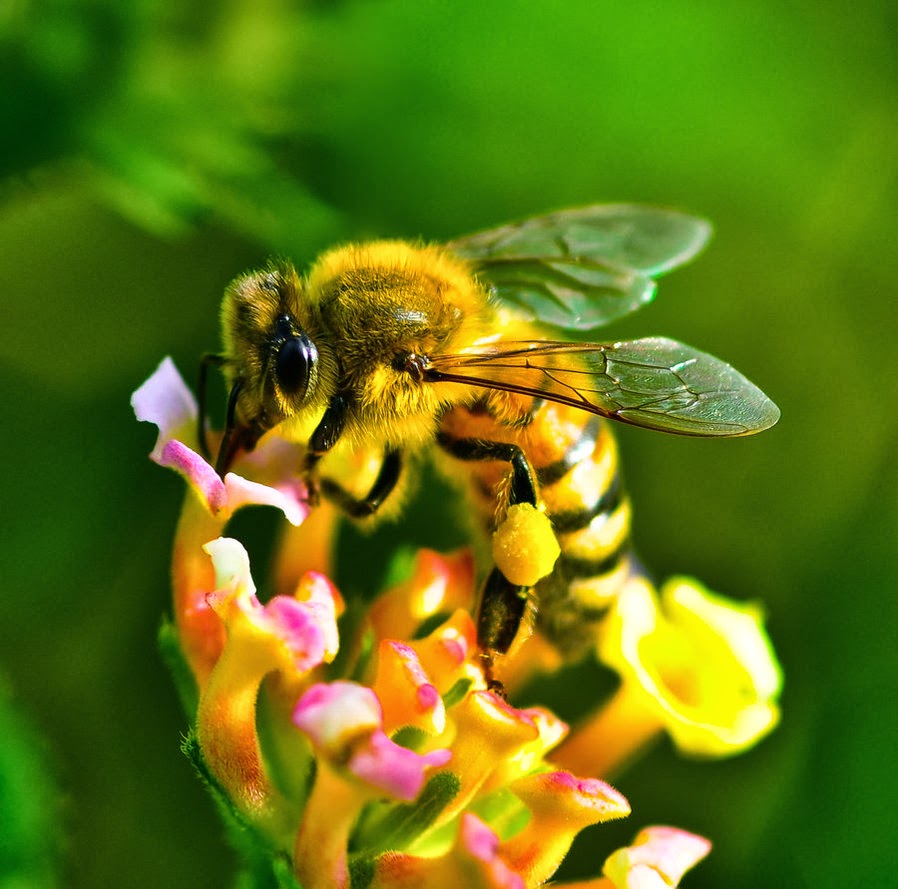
577	482
590	513
575	519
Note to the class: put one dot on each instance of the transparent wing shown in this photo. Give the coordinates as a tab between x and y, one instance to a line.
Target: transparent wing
579	269
655	383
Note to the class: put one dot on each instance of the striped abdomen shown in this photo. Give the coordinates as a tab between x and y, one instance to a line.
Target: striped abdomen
574	460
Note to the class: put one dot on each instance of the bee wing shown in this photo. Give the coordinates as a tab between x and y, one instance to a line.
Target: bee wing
579	269
655	383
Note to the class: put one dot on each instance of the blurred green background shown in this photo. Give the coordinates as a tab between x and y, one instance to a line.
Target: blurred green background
153	150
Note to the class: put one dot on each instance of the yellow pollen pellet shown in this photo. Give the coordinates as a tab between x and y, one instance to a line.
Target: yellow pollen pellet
524	546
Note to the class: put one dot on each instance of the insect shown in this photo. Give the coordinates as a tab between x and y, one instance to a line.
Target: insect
389	347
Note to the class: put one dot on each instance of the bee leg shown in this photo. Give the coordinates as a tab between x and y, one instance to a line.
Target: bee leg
236	436
499	617
523	478
359	508
202	416
330	427
310	479
325	436
503	604
327	433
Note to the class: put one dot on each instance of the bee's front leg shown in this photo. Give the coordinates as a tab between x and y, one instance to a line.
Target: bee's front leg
325	436
201	416
237	436
311	480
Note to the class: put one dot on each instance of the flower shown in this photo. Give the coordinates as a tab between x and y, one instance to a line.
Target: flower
374	752
288	637
165	400
658	858
399	806
691	663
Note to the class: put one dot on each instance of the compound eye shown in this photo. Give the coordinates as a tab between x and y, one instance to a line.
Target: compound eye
293	368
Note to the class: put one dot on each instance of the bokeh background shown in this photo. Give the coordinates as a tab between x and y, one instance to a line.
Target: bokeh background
152	150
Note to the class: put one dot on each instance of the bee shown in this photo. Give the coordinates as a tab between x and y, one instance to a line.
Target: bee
389	348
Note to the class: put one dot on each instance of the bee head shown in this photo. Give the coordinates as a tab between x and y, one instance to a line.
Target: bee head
273	362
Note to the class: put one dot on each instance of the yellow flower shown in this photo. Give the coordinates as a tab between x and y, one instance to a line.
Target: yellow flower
658	859
692	663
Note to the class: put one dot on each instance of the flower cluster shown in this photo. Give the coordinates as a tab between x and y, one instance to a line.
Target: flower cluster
372	752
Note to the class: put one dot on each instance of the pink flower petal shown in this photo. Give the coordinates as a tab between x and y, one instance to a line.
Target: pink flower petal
299	629
481	843
394	769
344	721
334	714
321	598
165	400
289	496
478	839
196	471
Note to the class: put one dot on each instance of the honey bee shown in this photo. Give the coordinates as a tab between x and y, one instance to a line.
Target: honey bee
390	347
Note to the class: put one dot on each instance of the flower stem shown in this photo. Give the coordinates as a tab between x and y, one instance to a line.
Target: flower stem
602	744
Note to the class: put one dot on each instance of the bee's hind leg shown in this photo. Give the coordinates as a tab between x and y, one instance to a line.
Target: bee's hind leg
502	607
523	484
